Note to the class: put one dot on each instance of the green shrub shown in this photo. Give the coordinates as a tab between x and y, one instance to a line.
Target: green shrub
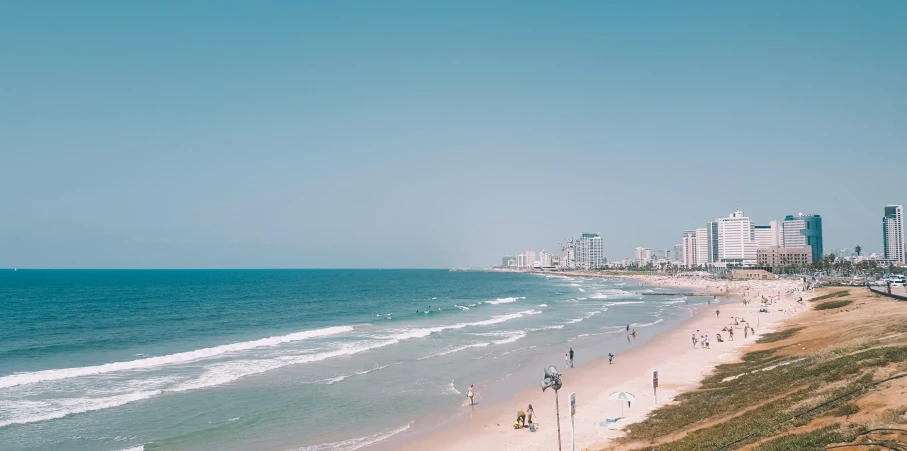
832	304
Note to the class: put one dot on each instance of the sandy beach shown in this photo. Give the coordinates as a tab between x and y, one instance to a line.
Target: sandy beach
680	366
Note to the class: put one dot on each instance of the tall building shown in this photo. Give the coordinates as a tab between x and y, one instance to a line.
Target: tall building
544	258
804	230
643	255
712	237
520	260
893	233
662	254
689	249
768	236
508	261
567	258
702	247
530	258
678	252
736	239
589	251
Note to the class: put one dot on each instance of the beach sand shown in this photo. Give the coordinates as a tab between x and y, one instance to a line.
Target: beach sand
680	367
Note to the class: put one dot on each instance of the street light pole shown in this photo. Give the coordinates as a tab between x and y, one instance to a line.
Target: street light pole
553	379
557	408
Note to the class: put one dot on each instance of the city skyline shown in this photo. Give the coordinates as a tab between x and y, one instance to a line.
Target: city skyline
414	135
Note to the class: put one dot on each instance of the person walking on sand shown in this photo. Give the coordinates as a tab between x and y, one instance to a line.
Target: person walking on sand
717	313
571	357
694	341
566	360
610	358
731	334
471	394
529	414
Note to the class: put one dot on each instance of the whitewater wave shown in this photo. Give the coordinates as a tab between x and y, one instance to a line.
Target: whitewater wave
659	320
581	290
586	315
356	443
334	380
612	304
504	300
543	305
151	362
454	349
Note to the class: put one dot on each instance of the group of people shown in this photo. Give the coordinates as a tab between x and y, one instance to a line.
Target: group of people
524	419
568	359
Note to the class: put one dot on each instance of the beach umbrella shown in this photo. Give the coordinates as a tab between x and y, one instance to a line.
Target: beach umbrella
621	396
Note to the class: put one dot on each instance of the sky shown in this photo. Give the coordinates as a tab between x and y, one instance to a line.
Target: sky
283	134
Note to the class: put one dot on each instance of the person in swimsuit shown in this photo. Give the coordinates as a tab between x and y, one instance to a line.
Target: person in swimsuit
529	414
471	394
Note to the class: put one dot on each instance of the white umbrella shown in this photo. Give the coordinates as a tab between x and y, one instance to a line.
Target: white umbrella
621	396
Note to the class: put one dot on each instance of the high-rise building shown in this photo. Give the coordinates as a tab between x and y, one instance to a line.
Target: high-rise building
678	252
508	261
893	233
589	251
530	258
662	254
689	249
712	237
768	236
520	260
702	247
568	256
736	239
643	255
804	230
544	258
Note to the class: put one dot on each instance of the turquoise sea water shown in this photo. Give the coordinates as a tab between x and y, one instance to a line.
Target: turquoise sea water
287	360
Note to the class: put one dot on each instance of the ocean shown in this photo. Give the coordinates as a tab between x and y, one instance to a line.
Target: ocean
308	360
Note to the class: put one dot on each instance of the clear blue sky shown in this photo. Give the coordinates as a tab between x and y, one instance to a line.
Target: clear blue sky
422	134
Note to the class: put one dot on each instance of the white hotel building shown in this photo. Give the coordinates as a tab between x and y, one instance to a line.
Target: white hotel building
736	240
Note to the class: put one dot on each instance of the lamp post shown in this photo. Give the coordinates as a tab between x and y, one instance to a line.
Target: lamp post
553	379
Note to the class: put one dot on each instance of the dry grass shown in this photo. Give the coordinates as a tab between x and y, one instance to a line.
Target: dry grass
824	394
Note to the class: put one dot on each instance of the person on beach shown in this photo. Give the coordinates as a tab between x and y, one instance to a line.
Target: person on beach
521	418
471	394
717	313
731	334
633	333
529	414
708	343
571	357
610	358
566	360
745	332
694	341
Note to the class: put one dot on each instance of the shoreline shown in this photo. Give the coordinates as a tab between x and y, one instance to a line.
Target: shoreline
680	367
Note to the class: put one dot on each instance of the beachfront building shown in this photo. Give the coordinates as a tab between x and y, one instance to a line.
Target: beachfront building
544	258
643	256
736	240
530	258
589	251
777	256
689	249
893	233
768	235
508	261
702	247
567	259
521	260
678	253
712	237
804	230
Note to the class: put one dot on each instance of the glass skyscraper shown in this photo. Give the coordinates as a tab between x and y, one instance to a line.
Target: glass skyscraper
804	230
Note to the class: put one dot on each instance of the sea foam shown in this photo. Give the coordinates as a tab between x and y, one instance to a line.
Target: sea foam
151	362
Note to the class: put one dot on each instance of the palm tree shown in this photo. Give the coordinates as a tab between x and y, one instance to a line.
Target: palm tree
858	249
